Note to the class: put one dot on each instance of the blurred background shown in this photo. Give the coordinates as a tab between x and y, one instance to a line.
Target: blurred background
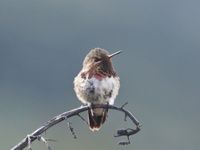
42	46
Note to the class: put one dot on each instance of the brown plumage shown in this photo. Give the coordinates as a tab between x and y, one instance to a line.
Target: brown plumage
97	83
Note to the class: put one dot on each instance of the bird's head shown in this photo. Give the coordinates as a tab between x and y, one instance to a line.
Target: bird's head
99	59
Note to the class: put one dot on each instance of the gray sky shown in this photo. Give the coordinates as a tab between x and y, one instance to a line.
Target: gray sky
42	46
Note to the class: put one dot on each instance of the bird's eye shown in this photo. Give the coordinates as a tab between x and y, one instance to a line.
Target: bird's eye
96	59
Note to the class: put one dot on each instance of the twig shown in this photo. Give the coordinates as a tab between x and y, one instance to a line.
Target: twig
29	142
124	105
40	138
61	117
71	130
83	119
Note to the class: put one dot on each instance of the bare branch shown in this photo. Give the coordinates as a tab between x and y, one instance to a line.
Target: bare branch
76	112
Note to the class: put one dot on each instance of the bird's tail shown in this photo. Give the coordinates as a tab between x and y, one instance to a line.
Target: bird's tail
97	117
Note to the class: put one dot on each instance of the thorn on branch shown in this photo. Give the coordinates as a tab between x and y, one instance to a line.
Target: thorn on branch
83	119
124	132
125	142
125	117
124	105
42	139
51	140
29	142
71	130
127	132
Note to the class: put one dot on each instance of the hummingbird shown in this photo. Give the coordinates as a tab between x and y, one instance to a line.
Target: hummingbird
97	83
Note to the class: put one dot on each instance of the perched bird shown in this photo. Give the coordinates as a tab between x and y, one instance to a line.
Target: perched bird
97	83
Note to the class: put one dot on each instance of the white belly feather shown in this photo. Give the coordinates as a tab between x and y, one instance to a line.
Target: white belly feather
96	91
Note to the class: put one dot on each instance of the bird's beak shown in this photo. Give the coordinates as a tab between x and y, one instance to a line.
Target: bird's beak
113	54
